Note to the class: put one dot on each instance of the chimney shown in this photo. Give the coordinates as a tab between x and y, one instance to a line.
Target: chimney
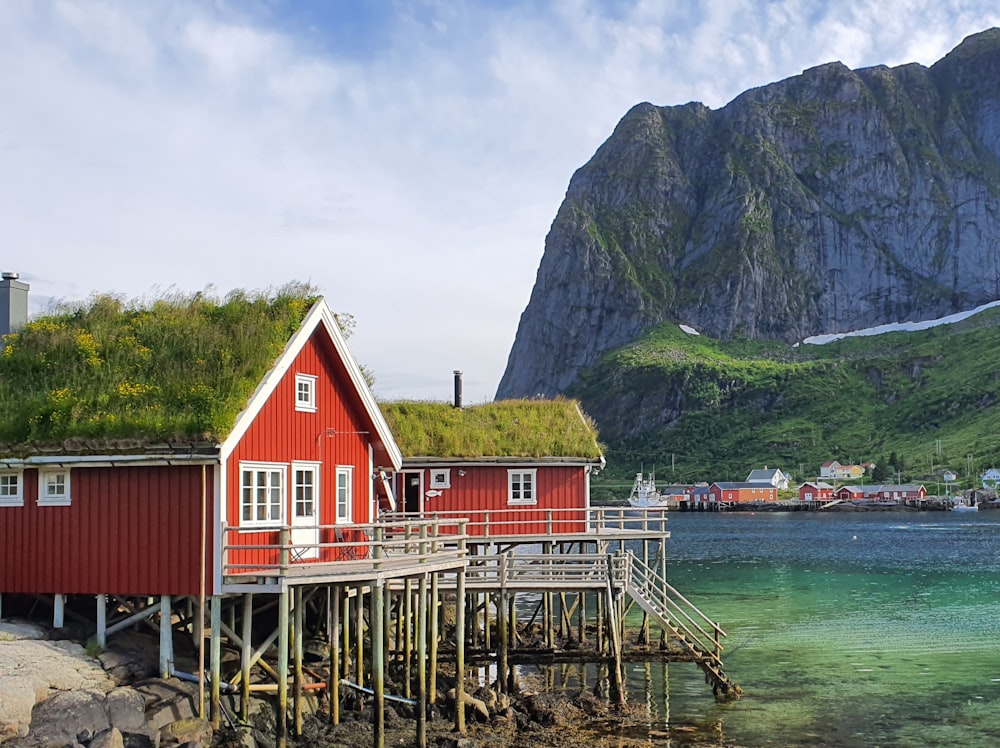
458	388
13	303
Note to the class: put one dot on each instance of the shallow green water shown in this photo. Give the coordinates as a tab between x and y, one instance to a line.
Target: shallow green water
850	629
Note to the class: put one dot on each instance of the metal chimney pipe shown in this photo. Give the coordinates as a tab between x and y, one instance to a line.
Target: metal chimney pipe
458	388
13	303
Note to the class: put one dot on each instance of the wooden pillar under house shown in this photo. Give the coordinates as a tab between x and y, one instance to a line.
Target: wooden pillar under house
460	609
282	722
215	644
422	662
345	633
433	643
359	638
246	652
333	641
166	637
298	635
502	640
377	618
512	644
102	621
407	636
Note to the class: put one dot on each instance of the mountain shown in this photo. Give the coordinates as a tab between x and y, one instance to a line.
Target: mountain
830	201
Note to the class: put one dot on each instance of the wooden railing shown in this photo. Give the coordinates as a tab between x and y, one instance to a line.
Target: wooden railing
371	545
519	521
647	587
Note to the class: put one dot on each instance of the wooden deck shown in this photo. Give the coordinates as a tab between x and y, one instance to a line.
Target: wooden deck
400	545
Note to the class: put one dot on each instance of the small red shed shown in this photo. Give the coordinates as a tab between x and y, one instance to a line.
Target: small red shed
516	467
818	491
109	495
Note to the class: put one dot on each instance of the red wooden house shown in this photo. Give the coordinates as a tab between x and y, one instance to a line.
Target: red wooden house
882	493
518	467
145	516
742	493
816	491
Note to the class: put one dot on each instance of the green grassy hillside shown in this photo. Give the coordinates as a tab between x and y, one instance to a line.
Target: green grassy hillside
692	408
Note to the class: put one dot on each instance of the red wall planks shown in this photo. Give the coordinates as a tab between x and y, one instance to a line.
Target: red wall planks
128	531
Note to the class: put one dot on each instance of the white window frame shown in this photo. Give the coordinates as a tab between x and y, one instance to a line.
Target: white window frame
313	469
305	384
519	500
344	488
15	497
271	469
441	478
48	479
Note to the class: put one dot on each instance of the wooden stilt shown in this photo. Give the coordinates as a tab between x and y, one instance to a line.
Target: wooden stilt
614	637
58	611
422	662
246	650
460	641
359	639
334	643
512	628
201	657
298	634
282	722
407	636
502	635
547	604
166	637
102	621
215	643
487	634
377	618
345	634
433	642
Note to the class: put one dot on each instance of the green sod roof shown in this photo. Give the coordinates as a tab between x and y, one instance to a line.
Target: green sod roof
509	428
110	375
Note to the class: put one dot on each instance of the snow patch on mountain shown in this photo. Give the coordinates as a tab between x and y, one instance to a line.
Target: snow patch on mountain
899	326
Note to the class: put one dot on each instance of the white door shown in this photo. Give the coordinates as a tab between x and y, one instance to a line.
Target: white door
305	510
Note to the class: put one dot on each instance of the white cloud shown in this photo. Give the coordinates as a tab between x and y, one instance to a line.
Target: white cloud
194	144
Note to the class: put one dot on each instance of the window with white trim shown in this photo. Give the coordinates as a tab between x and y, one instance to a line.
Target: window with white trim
521	487
345	493
262	493
53	488
305	489
305	393
441	478
11	488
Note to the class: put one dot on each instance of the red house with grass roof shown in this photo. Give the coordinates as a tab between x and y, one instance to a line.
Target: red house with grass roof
102	494
518	467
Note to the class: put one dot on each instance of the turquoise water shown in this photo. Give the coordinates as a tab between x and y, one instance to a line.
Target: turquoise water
846	629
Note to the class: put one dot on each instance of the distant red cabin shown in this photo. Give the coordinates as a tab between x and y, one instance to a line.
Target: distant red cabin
818	491
742	493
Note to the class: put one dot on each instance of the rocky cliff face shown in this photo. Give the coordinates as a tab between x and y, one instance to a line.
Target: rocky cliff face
834	200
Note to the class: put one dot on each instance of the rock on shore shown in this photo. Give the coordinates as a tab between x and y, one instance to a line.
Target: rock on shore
53	693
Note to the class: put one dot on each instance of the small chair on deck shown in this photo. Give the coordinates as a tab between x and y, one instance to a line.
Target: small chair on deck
349	551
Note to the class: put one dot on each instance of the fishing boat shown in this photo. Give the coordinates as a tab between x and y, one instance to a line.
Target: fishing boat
966	507
644	494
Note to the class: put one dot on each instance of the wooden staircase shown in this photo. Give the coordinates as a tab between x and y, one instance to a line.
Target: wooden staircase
679	617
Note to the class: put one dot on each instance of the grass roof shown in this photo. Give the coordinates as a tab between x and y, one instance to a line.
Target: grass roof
509	428
108	371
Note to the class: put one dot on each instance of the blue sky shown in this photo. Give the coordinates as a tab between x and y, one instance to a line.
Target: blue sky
405	157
